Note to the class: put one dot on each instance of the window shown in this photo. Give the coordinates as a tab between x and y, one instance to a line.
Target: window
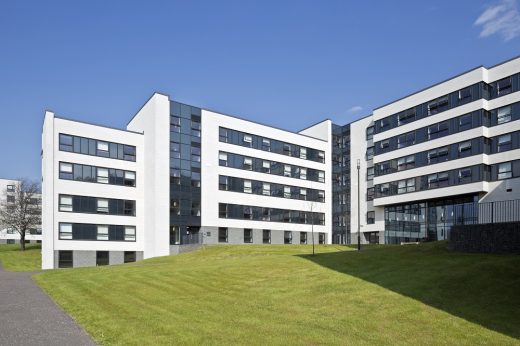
371	217
465	122
438	105
101	258
321	176
222	235
465	149
504	86
407	185
286	170
370	153
248	213
102	206
247	140
266	166
504	115
464	95
287	237
406	116
370	173
248	235
129	178
195	154
303	153
247	186
222	159
405	163
223	135
370	194
66	142
129	153
266	144
370	133
102	232
129	233
65	170
406	140
130	256
303	173
65	203
384	144
102	149
10	199
65	231
266	236
438	155
129	208
248	163
287	150
504	143
223	183
287	192
266	189
464	175
321	238
504	171
102	175
321	156
438	130
65	259
10	188
384	122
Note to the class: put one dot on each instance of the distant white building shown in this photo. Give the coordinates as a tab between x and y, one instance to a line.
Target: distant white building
8	235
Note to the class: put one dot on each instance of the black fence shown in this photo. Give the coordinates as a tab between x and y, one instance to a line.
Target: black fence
193	238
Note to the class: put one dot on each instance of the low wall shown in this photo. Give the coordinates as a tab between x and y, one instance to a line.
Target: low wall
177	249
487	238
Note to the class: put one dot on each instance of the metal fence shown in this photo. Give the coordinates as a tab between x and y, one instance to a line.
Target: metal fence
193	238
499	211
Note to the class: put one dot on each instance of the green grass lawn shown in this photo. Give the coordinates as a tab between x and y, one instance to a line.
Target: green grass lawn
12	259
263	295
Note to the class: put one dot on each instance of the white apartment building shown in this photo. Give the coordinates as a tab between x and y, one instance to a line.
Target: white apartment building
177	174
8	235
181	174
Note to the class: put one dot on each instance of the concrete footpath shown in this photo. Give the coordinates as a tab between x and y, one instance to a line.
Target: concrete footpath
29	317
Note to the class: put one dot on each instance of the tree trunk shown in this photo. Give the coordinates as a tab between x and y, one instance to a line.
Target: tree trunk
22	241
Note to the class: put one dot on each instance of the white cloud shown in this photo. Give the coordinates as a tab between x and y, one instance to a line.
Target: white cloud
502	19
355	109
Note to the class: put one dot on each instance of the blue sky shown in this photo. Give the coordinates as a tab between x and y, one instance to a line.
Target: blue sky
284	63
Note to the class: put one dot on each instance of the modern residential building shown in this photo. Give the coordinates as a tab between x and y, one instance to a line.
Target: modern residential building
180	174
177	173
9	235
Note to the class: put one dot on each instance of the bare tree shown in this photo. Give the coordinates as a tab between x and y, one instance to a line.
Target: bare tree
20	209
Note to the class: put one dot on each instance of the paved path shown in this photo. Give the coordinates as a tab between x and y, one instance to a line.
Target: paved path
29	317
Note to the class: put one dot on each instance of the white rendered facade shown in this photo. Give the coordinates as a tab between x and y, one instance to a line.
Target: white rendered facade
7	235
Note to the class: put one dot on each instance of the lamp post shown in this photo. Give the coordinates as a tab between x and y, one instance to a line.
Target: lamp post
358	209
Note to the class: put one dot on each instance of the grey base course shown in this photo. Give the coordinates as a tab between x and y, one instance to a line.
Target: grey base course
29	317
116	257
236	236
88	258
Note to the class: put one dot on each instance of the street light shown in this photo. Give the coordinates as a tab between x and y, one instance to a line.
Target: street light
358	209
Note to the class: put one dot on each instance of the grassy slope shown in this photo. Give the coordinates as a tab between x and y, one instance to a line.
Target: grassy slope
12	259
415	295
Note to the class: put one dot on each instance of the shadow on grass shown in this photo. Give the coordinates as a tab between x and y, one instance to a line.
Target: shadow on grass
480	288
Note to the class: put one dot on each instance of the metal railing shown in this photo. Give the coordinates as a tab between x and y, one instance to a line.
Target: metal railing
193	238
499	211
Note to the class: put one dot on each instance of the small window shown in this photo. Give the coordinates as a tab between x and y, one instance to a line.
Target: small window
129	233
266	144
247	186
66	142
65	170
248	235
223	183
371	217
65	231
321	156
286	171
464	95
223	135
443	179
102	206
303	153
321	176
465	147
321	238
129	178
129	153
464	175
222	235
406	116
266	236
65	203
504	143
266	166
287	192
465	122
303	237
102	232
266	189
504	171
130	256
370	133
10	199
384	123
65	259
287	150
370	194
101	258
248	163
102	148
102	175
222	211
370	173
303	173
384	144
504	86
504	115
247	140
370	153
129	208
223	159
287	237
10	188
